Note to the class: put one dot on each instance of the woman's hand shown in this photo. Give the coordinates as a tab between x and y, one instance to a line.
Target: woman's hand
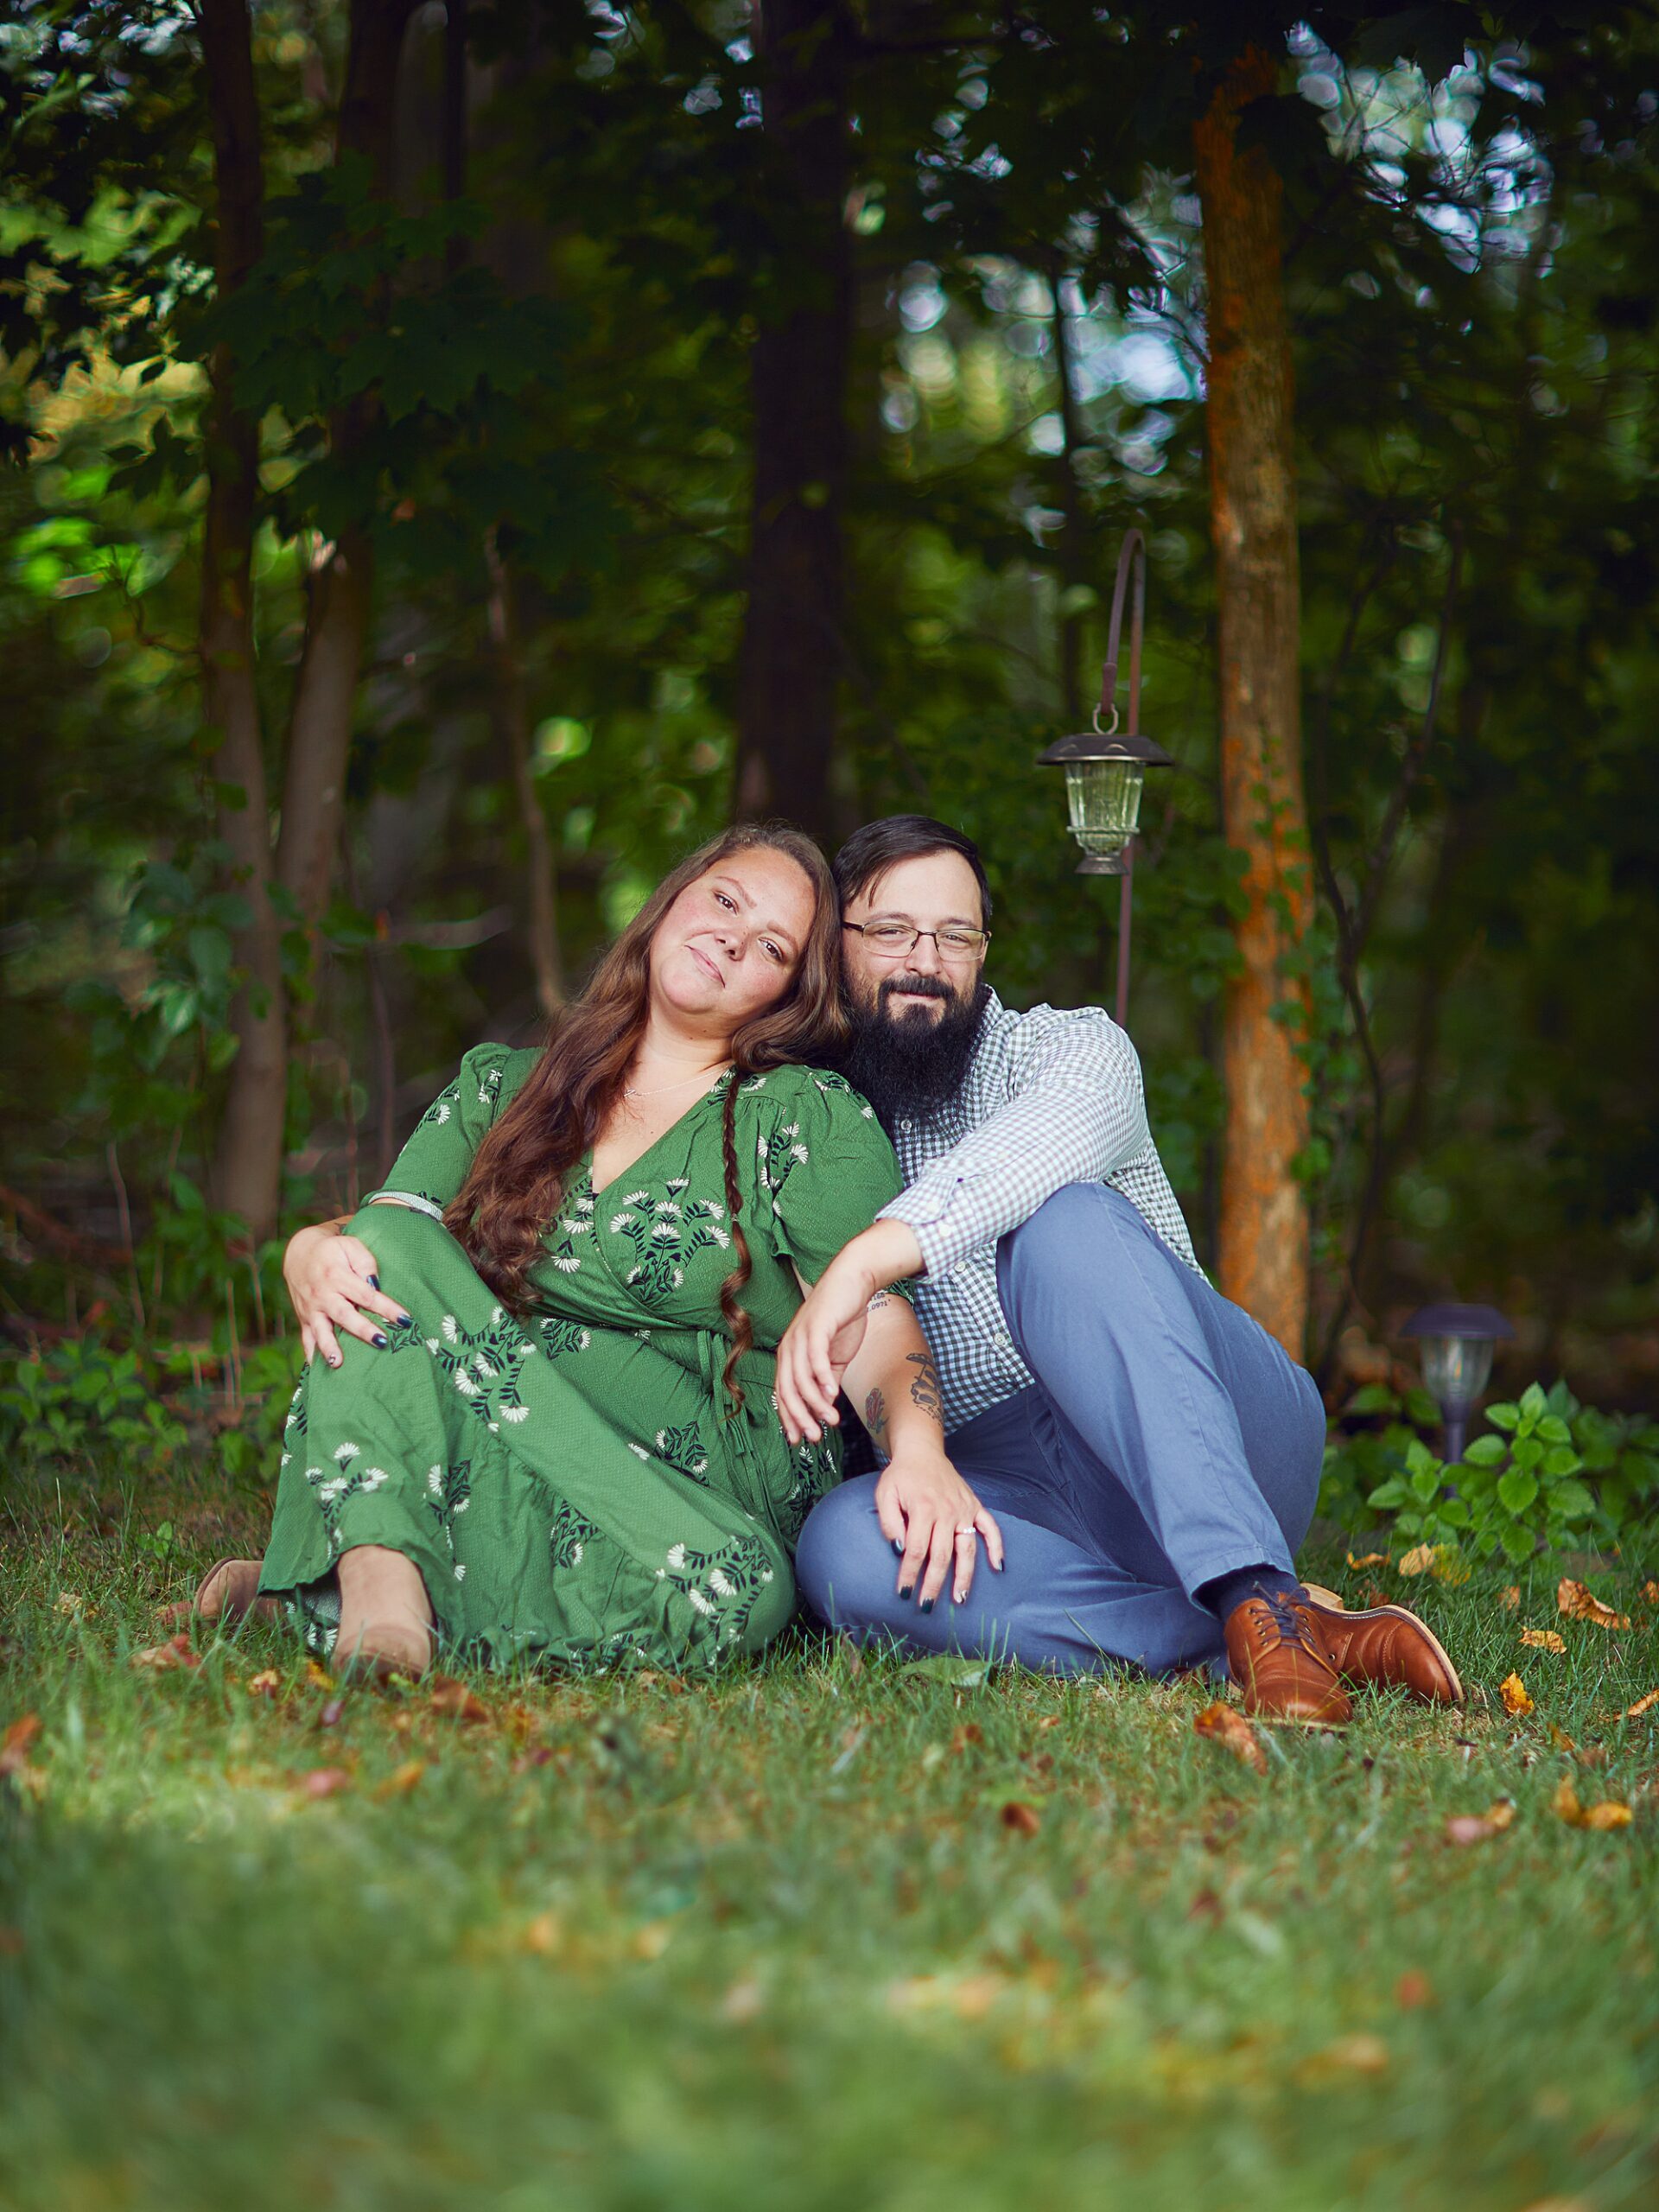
332	1285
933	1520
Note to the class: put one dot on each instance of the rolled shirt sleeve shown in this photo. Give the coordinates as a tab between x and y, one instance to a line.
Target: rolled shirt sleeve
1076	1113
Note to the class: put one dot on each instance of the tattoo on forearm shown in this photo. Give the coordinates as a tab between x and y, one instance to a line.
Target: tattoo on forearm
924	1391
882	1297
876	1418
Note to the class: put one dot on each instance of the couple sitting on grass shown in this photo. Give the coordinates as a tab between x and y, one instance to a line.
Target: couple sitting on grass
572	1375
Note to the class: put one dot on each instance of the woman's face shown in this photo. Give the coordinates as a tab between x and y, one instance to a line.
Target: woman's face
731	945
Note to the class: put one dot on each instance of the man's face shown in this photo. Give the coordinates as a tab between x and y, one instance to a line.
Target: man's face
916	1012
935	892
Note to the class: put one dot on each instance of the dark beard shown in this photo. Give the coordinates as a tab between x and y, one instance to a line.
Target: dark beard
911	1066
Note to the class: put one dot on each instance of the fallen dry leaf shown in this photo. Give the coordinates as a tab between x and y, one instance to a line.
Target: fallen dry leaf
544	1935
1023	1819
1368	1559
175	1652
1650	1593
319	1677
401	1780
266	1683
1510	1597
1609	1814
1418	1561
1574	1603
1480	1827
1543	1639
324	1782
455	1701
1413	1990
1516	1698
1642	1705
1359	2054
15	1744
70	1604
1220	1723
652	1940
969	1733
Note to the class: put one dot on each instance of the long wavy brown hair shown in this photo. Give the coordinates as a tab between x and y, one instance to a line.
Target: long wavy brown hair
517	1178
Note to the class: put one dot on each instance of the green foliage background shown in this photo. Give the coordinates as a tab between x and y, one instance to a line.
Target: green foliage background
1471	258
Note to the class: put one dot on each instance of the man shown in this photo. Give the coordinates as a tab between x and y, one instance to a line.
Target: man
1151	1456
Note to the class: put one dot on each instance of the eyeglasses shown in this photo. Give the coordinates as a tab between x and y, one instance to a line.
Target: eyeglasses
892	940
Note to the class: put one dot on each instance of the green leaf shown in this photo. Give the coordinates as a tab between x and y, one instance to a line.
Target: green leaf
1421	1408
1528	1451
1503	1415
1534	1404
1516	1490
1426	1482
1518	1543
1485	1452
1554	1430
1388	1495
946	1666
1561	1459
1572	1501
1372	1398
1453	1514
1420	1458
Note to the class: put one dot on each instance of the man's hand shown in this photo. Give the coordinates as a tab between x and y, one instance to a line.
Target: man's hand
934	1521
331	1284
823	1339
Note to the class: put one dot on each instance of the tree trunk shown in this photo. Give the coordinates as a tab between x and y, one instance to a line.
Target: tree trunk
1263	1244
1074	529
342	590
512	701
247	1166
792	653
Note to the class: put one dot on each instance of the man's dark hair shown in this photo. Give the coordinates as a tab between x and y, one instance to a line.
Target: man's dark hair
871	851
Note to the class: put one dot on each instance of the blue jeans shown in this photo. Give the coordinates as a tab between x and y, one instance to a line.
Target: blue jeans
1166	1439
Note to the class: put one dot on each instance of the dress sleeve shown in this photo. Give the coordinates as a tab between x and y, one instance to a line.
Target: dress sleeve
432	1167
827	1167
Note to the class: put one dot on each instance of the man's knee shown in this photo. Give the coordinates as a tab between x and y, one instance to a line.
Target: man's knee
1066	1240
843	1557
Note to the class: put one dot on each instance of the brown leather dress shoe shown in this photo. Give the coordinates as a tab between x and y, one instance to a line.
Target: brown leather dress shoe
1389	1648
1277	1655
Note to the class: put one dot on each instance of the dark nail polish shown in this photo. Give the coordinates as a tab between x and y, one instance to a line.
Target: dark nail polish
403	1320
335	1361
905	1589
898	1547
382	1341
927	1604
374	1282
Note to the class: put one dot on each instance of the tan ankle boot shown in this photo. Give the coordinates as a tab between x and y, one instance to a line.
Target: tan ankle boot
385	1616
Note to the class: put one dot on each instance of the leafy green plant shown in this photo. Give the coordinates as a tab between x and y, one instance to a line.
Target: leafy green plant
1548	1472
81	1398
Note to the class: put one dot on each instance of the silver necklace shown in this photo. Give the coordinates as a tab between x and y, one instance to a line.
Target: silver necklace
664	1090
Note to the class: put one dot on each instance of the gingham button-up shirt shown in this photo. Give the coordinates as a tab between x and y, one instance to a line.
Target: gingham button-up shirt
1051	1098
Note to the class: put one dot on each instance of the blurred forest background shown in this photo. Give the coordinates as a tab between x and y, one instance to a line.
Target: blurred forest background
462	454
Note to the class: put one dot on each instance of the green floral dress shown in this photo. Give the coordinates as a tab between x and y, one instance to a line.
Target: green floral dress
577	1485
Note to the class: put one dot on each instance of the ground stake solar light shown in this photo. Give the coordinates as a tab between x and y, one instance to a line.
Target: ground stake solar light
1106	766
1455	1344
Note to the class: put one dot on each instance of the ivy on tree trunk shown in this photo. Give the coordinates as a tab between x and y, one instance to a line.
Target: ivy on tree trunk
1262	1257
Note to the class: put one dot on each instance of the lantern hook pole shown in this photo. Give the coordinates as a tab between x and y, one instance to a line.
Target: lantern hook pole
1131	559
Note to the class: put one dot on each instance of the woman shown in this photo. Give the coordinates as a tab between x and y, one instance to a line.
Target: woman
552	1431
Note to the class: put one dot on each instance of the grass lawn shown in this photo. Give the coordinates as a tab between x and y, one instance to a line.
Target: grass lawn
632	1943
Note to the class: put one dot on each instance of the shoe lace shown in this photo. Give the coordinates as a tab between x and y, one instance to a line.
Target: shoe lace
1285	1621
